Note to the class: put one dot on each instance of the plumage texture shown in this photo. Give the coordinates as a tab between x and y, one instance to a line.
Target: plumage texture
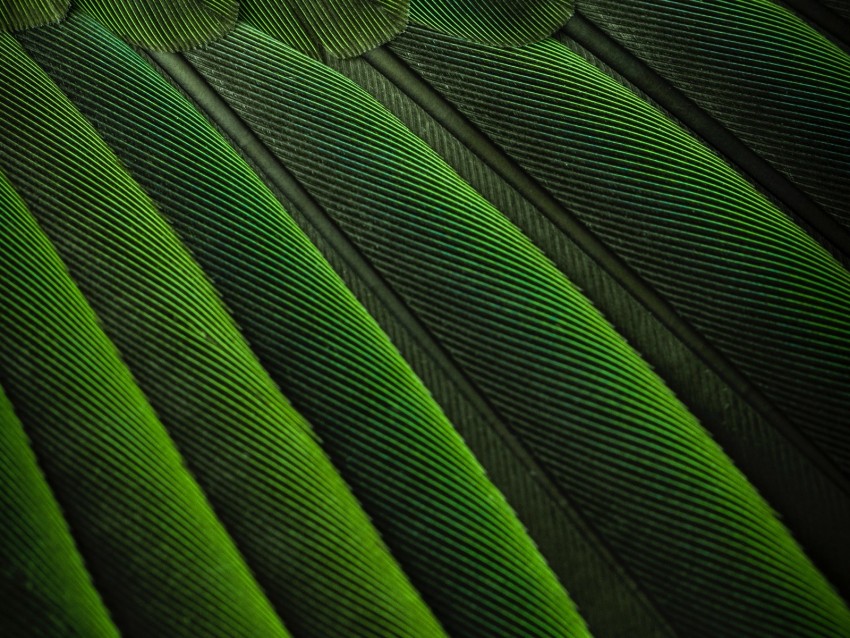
482	289
165	25
769	78
156	551
227	417
22	14
37	550
318	344
341	28
500	23
673	211
481	333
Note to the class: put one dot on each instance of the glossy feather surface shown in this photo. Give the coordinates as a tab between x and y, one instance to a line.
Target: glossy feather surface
497	329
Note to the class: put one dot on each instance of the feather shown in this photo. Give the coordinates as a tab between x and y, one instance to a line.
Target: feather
691	227
165	25
42	572
341	28
828	16
376	304
23	14
273	488
156	551
796	478
572	549
771	79
533	346
320	347
500	23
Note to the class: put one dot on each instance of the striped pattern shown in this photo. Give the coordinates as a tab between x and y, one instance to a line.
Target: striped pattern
156	552
23	14
647	477
42	574
205	433
317	556
813	505
780	463
767	76
164	25
467	551
340	28
500	23
752	282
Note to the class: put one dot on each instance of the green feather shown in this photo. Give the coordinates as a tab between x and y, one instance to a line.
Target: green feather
159	557
551	366
42	573
286	507
340	28
730	263
164	25
796	477
772	80
499	22
318	344
23	14
480	333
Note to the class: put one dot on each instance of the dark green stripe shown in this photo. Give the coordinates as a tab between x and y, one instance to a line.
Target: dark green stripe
421	485
757	288
578	396
159	558
767	76
275	491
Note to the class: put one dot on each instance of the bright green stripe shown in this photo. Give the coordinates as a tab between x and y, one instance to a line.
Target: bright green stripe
159	557
403	459
770	78
421	226
474	566
498	23
288	510
342	28
23	14
43	582
164	25
598	148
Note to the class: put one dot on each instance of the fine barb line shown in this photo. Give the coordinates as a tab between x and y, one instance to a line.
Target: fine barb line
438	107
708	128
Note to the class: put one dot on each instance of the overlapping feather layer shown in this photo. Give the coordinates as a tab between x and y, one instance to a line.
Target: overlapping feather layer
450	339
